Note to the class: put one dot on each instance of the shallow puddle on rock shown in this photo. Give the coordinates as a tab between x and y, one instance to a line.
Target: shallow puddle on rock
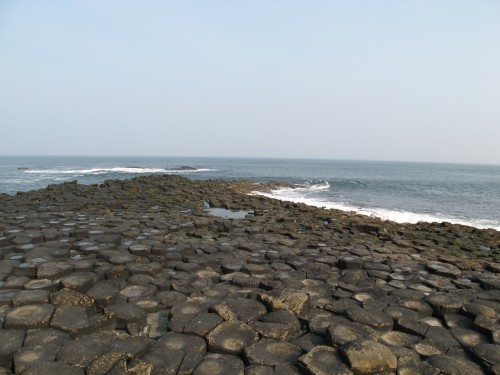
225	214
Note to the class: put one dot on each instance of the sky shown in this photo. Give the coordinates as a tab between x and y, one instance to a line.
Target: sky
403	80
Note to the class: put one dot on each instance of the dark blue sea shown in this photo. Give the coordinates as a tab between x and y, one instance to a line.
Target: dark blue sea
398	191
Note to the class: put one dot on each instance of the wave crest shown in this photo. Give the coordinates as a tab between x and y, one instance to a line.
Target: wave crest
129	170
400	216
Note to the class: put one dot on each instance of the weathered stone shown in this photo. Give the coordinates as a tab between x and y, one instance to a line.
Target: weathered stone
398	312
83	351
259	370
454	365
370	317
28	269
396	338
489	354
272	353
475	309
53	270
343	332
341	305
176	353
457	321
44	368
11	340
353	276
309	341
411	326
429	347
104	293
15	282
149	269
320	320
69	297
368	357
231	338
128	316
157	324
134	367
324	360
242	309
350	262
422	308
220	364
47	338
29	317
30	297
468	338
40	284
443	303
74	320
136	291
443	269
202	324
78	281
103	364
279	324
282	299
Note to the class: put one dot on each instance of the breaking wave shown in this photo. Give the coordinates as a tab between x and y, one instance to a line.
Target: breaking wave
309	195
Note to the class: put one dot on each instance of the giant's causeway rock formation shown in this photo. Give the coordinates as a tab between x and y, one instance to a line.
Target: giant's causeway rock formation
134	277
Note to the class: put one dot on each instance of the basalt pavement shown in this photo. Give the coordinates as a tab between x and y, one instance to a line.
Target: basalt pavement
134	277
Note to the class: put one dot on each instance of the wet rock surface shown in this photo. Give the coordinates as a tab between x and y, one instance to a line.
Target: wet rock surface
134	277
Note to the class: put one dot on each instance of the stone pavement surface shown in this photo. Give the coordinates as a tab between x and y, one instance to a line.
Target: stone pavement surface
134	277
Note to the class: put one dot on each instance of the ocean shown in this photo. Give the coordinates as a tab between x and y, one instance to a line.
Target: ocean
397	191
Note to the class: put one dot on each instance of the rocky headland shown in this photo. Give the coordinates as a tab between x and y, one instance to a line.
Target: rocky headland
135	277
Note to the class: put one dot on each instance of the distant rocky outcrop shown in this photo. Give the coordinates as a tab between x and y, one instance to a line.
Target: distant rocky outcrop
183	168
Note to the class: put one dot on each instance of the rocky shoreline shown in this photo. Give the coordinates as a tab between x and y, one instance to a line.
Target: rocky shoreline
134	277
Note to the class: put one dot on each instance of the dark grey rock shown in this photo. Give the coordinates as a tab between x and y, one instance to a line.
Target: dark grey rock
411	326
272	353
454	366
202	324
44	368
231	338
244	309
176	353
443	269
350	262
324	360
128	316
489	354
373	318
395	338
442	303
344	332
279	324
369	357
308	341
283	299
53	270
74	320
11	341
468	338
220	364
29	317
30	297
79	281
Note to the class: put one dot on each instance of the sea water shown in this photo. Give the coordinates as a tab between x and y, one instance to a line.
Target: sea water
399	191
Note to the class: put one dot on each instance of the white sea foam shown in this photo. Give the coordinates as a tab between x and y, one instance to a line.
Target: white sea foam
97	171
400	216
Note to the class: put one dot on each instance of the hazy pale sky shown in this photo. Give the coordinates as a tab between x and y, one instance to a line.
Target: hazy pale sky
415	80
